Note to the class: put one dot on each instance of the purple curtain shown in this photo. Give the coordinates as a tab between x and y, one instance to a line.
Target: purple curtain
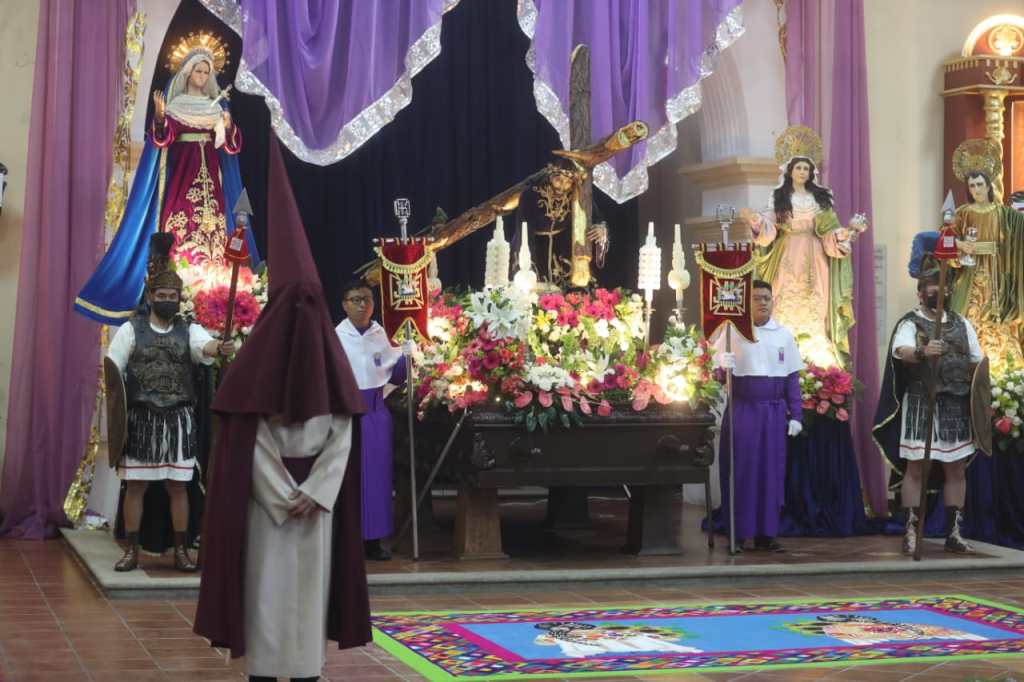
647	58
840	106
75	100
333	72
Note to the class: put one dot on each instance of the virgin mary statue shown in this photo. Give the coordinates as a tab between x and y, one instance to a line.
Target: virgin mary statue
186	183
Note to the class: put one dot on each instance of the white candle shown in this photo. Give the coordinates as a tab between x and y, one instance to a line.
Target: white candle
526	278
649	270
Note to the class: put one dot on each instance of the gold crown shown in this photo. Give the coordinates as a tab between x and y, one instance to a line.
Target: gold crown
976	154
214	47
798	141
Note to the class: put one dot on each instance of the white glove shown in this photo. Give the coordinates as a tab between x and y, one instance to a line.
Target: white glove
408	347
795	427
726	360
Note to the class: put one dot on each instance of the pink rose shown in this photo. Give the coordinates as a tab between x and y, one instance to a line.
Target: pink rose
1004	425
523	399
640	403
550	301
567	403
838	398
544	398
842	415
584	405
604	409
643	389
808	404
823	407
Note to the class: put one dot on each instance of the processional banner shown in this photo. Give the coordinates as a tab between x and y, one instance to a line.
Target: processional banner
726	274
403	288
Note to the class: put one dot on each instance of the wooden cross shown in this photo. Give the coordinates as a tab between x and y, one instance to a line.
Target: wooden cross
583	155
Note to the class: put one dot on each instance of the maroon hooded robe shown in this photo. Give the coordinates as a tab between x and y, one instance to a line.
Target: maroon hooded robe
291	365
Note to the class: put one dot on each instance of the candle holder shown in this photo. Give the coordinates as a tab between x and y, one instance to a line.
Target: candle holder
649	277
678	277
525	279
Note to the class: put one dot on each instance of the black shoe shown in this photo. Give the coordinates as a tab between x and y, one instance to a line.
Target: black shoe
375	551
763	543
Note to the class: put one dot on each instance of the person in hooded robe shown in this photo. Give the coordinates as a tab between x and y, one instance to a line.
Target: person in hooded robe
376	364
283	566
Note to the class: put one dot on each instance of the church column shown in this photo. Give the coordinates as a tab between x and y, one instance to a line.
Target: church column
994	110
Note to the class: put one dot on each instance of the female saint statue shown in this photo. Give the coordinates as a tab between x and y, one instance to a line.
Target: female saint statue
804	252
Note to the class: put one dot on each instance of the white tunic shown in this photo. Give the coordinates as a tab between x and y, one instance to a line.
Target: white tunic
120	350
774	355
288	559
944	451
371	354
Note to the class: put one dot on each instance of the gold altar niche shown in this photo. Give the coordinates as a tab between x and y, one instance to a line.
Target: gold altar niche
564	188
983	90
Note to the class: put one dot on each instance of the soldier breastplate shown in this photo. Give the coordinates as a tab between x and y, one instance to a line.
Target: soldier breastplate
954	366
159	372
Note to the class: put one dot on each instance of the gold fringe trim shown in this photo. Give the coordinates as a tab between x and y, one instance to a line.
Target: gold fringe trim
744	269
117	198
400	269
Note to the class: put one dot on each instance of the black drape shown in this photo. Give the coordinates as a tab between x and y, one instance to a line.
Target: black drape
471	130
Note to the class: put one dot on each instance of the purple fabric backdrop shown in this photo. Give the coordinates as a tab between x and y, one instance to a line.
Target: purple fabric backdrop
647	58
848	173
333	72
75	100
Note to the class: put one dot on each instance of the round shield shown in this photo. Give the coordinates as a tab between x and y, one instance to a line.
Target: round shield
117	412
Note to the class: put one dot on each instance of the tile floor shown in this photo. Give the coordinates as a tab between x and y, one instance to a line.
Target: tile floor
55	625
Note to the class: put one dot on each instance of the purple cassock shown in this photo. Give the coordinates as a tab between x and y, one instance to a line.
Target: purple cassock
375	362
766	395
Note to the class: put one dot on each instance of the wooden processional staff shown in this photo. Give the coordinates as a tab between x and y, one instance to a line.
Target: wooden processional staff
945	251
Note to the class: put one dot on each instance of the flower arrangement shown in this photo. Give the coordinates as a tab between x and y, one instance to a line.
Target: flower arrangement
827	392
205	296
679	369
1007	404
553	360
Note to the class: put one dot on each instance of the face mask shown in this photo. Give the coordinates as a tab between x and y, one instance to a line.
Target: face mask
932	300
166	310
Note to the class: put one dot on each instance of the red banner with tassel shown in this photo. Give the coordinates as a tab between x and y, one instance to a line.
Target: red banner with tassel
403	288
726	275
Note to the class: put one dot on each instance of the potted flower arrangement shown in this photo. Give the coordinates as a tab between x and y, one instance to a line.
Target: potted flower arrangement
1007	402
827	392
